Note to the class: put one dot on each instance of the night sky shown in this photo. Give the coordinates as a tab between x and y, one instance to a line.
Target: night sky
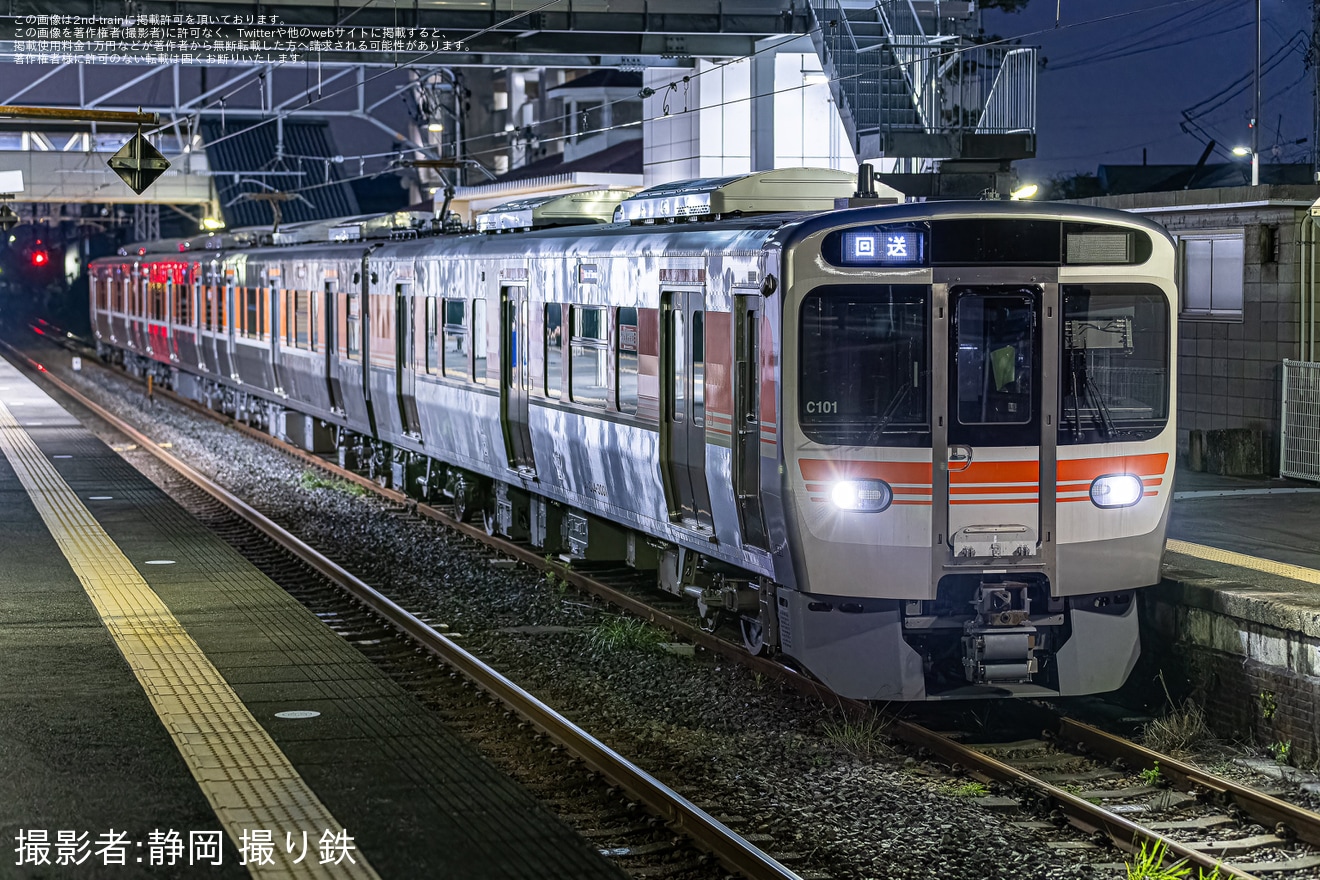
1120	74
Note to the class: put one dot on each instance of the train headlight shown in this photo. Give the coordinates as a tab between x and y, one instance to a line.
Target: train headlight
866	496
1116	490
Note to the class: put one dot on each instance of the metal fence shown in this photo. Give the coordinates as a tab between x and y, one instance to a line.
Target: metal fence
1299	453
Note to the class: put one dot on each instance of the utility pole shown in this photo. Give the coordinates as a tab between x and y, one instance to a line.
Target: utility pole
1315	88
1255	116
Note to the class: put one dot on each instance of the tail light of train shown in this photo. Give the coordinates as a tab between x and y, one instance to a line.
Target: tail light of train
1116	490
863	496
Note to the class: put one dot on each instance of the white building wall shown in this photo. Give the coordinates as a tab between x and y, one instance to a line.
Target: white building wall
707	131
808	130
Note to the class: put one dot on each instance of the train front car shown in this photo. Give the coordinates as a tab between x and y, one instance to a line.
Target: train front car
979	446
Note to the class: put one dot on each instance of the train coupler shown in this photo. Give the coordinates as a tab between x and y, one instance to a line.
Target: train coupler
999	643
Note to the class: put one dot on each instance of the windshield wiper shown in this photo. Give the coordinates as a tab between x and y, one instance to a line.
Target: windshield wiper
1084	385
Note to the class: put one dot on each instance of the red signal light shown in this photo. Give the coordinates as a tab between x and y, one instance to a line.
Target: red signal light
40	258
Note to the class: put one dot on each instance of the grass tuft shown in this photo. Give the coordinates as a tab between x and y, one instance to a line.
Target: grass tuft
310	480
1149	865
625	634
864	737
967	790
1179	731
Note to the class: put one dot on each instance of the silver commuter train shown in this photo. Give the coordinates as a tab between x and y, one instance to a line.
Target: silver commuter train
924	451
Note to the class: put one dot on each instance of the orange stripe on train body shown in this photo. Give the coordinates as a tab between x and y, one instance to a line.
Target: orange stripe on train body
987	476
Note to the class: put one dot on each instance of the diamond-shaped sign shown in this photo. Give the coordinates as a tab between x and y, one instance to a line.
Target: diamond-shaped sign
138	163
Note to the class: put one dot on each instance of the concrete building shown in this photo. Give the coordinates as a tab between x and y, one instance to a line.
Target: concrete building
1248	299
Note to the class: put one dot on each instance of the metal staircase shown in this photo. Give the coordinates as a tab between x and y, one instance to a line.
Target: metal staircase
909	84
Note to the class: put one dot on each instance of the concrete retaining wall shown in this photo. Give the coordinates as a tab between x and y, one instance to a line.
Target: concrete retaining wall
1252	655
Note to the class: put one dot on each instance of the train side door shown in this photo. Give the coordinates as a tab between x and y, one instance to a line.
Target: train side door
279	327
515	377
405	374
995	491
331	336
747	418
683	407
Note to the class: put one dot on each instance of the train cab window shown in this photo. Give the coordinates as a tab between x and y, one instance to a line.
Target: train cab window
1114	378
479	341
588	380
353	326
554	350
456	344
995	336
864	366
626	340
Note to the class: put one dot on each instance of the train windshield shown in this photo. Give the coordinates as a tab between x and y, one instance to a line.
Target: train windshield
1115	372
865	365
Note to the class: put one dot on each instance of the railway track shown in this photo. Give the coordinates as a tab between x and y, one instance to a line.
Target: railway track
1065	777
1124	792
288	560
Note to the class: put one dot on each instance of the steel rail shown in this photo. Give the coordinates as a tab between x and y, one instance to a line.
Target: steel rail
1264	809
1080	813
731	849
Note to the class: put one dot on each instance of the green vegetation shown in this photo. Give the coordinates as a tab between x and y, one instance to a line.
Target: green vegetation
626	633
1152	775
967	790
311	480
1268	705
864	737
1149	865
1282	752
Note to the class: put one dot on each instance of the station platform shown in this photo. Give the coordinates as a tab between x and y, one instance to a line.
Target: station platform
146	676
1239	607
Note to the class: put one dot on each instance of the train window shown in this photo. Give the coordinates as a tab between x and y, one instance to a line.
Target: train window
996	354
678	360
1114	376
156	300
432	336
302	319
589	368
626	338
353	326
698	368
222	310
554	349
182	295
864	373
208	307
479	341
251	312
456	346
118	288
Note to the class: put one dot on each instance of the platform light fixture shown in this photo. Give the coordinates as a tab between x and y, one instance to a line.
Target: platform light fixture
1026	191
212	224
435	126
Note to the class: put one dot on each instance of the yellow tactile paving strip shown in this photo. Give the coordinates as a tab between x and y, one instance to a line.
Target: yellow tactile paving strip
248	780
1241	560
